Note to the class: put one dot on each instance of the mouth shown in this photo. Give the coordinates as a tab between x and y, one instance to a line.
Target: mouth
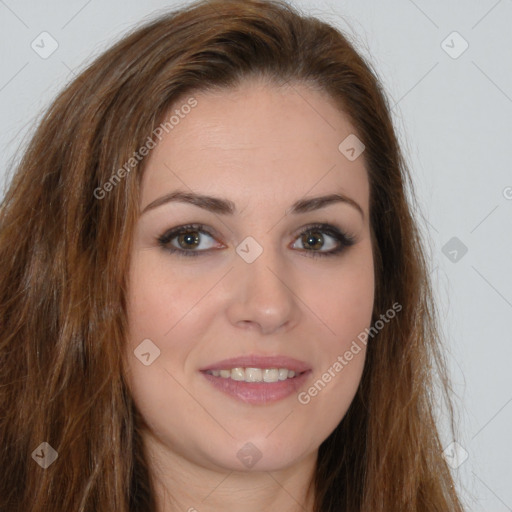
258	380
240	374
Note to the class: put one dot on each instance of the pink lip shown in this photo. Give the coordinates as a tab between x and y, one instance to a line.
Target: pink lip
259	393
259	362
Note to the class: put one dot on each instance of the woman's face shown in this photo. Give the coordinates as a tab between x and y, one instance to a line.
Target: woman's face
258	292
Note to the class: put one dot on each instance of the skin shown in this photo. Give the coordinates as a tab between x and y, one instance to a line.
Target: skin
262	147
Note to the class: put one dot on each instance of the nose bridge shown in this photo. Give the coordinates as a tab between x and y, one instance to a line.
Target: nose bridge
261	289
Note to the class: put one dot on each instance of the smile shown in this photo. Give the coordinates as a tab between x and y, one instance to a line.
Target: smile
254	374
257	392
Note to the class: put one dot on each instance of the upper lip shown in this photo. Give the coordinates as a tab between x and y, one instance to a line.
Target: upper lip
254	361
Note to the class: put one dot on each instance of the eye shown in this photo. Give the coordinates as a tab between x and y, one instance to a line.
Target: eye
189	240
313	239
186	240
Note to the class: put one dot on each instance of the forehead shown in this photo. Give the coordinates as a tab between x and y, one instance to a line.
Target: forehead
257	141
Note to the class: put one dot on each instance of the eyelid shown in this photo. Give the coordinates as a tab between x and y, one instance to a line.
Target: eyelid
344	238
172	233
330	228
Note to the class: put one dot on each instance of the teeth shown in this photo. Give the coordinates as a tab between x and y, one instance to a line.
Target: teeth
238	374
254	374
283	373
271	375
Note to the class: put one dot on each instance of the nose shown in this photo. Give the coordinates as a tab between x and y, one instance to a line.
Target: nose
262	296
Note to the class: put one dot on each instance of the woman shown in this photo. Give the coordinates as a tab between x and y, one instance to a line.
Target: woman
213	292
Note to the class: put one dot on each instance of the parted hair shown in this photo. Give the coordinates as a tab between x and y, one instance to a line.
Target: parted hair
65	254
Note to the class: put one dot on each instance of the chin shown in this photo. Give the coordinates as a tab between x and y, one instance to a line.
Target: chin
259	454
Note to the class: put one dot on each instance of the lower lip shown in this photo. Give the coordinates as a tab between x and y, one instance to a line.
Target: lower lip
258	393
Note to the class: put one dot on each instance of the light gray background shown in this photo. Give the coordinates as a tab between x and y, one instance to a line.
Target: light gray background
454	117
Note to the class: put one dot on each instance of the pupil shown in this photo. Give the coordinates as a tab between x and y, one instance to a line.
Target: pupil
314	241
189	240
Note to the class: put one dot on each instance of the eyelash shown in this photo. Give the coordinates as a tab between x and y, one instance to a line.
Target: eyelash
344	239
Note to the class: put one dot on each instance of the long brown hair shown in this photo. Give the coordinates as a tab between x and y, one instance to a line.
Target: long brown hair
64	256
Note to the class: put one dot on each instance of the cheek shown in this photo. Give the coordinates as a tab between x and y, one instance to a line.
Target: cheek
349	305
345	305
161	309
343	296
337	376
161	299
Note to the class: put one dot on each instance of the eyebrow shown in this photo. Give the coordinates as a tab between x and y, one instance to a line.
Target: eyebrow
227	207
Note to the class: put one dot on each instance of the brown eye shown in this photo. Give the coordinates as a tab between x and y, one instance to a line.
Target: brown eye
313	240
326	237
190	240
